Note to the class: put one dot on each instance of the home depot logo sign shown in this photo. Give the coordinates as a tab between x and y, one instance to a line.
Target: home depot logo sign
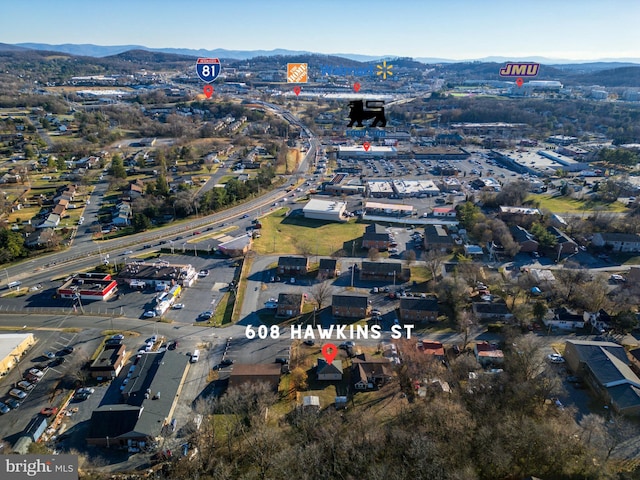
297	72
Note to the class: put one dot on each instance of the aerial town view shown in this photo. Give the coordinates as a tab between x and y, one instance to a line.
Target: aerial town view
352	240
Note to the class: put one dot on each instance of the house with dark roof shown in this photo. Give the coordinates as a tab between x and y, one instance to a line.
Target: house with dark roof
565	246
618	242
376	236
40	238
149	401
368	373
384	272
328	268
268	373
436	237
350	306
293	265
605	367
329	371
289	305
523	238
491	311
418	309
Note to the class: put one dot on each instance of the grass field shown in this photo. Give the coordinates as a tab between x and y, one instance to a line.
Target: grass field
571	205
282	234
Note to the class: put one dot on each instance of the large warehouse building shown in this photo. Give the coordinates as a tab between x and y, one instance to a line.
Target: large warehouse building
12	347
329	210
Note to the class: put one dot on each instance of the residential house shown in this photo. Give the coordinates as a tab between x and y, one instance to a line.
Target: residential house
122	214
519	215
418	309
51	221
488	354
39	238
523	238
566	246
59	210
433	348
368	373
293	265
437	238
350	306
376	236
618	242
605	367
600	321
384	272
289	305
491	311
329	371
328	268
446	212
135	189
564	320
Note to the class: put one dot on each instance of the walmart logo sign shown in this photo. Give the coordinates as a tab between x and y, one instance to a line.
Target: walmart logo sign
383	70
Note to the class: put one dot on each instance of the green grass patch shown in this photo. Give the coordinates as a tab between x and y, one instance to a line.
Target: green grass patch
283	234
224	311
572	205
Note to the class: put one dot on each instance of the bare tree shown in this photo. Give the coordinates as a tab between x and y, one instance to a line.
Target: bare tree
409	257
321	293
433	262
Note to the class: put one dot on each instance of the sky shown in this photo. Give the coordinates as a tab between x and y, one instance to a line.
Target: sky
451	29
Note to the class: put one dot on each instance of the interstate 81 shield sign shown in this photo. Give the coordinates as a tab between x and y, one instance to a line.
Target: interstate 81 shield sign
208	69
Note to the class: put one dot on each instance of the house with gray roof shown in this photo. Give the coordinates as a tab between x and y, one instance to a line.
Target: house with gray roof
605	367
618	242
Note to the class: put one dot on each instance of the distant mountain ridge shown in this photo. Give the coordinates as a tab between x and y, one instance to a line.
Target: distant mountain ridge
91	50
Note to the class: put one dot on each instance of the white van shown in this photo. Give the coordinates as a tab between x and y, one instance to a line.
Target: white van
195	356
15	284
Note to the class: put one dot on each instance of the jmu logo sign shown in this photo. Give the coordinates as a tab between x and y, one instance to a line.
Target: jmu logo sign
208	69
520	70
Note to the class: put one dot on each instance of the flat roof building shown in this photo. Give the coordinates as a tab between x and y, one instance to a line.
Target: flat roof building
12	347
329	210
89	286
159	274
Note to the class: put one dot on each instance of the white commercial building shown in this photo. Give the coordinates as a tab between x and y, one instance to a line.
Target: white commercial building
414	188
330	210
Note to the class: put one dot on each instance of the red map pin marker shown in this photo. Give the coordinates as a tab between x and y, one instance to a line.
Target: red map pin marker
208	90
519	82
366	146
297	90
356	87
329	352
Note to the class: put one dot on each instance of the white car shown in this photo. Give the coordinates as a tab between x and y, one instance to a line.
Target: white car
127	252
149	314
178	306
555	358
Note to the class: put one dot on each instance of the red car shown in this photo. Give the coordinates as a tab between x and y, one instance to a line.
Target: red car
48	411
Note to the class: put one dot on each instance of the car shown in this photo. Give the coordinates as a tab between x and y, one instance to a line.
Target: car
113	341
153	339
26	386
12	403
196	233
36	372
49	354
68	350
48	411
178	306
282	360
56	362
4	408
172	345
309	343
226	362
345	345
149	314
376	313
117	337
555	358
17	393
244	216
206	315
127	252
79	397
203	273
